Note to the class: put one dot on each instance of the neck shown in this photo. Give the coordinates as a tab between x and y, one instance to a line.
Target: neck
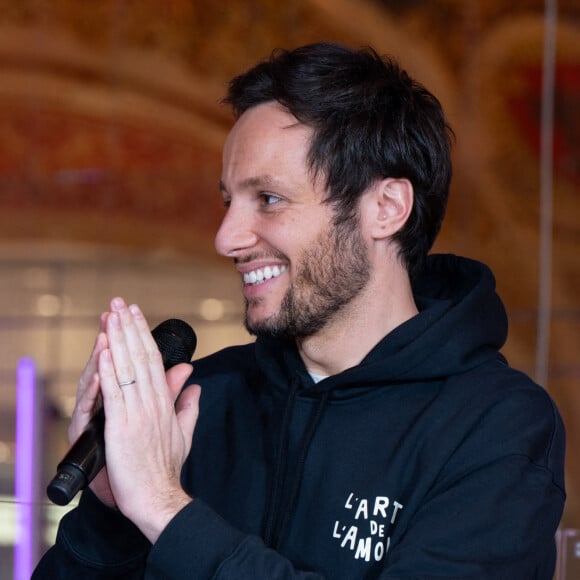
358	327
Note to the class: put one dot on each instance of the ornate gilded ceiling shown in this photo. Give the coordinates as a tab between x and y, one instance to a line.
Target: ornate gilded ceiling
112	108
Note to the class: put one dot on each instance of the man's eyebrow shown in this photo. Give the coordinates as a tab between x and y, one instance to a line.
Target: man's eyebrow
252	182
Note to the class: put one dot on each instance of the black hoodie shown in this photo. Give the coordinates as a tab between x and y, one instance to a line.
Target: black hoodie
432	458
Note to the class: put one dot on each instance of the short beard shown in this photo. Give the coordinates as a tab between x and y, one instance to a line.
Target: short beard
330	274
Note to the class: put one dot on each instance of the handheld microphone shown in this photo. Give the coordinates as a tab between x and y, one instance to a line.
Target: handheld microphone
176	341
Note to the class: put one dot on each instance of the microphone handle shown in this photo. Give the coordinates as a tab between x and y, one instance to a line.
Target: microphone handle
80	465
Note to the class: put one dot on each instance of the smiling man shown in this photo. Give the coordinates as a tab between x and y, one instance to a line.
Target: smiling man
373	430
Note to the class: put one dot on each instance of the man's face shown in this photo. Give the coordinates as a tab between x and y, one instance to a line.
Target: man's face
298	268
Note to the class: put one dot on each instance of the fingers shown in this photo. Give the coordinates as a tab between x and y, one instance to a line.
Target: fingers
134	366
120	350
187	410
147	350
176	377
92	364
88	386
84	408
134	351
112	393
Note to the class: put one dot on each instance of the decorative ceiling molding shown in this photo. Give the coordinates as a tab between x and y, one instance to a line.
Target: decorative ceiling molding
43	67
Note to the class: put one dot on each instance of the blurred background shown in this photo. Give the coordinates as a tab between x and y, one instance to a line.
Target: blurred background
111	131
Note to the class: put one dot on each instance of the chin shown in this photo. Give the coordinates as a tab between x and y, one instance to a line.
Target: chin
266	326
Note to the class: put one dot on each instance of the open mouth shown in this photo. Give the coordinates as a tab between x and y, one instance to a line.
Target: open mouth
261	275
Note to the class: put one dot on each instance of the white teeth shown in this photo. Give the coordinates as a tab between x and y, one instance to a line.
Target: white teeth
261	275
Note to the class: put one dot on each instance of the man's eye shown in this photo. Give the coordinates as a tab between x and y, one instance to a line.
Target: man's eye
269	198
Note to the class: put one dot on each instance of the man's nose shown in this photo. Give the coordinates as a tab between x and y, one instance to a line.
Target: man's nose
236	232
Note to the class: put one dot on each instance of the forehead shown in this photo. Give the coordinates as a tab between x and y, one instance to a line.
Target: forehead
267	135
270	116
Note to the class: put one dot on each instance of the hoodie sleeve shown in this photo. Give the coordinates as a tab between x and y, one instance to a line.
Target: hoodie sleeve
98	543
199	544
94	542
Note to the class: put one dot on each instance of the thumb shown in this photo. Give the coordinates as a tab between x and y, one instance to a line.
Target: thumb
187	410
176	377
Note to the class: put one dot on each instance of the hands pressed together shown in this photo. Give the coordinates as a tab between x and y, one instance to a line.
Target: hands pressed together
147	436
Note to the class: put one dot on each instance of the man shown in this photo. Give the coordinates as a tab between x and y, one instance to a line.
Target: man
373	430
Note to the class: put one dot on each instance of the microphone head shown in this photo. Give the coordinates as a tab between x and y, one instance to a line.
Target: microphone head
176	341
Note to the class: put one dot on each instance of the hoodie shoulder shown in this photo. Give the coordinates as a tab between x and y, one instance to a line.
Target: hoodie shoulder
230	360
507	414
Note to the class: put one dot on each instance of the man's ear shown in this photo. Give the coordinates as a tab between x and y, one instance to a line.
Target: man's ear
391	204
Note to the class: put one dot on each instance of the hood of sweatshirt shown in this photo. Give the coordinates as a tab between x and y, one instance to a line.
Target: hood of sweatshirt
461	324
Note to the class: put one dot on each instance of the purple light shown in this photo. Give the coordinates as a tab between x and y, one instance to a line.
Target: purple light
26	477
